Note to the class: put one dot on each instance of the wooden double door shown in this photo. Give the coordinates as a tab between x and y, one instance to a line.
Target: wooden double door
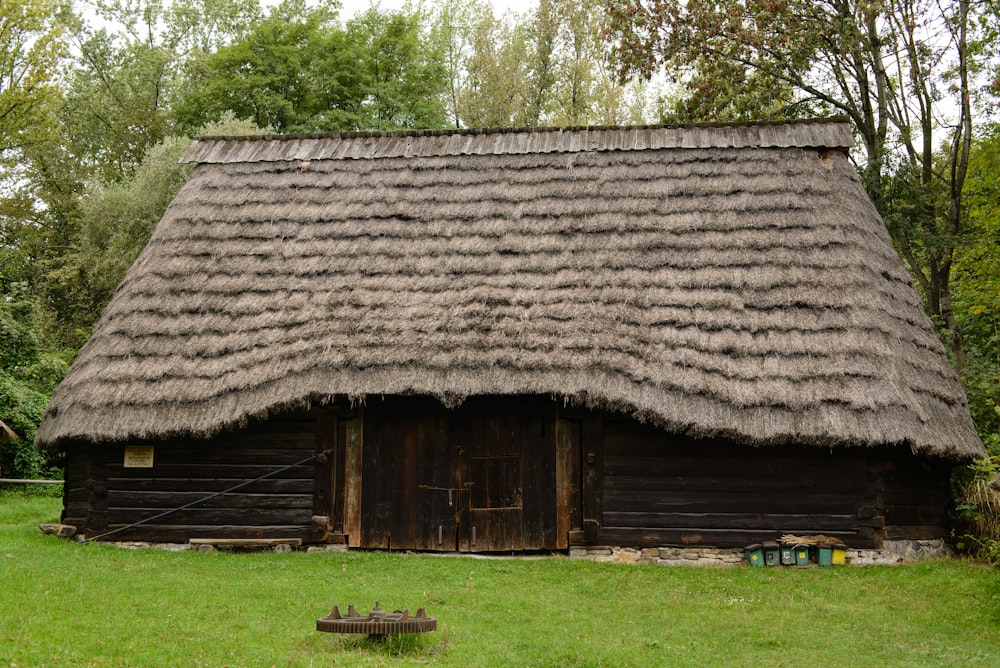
482	477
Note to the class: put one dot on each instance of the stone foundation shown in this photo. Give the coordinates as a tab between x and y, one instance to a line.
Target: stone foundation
893	552
899	551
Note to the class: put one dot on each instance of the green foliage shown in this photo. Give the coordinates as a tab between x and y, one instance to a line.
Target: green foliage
201	26
496	94
403	75
229	125
977	287
28	374
736	60
299	70
31	47
979	511
546	67
115	106
295	71
115	222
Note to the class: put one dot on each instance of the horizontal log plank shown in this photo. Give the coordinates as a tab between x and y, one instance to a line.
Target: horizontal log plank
172	533
640	501
915	515
753	465
76	495
246	542
711	483
917	497
770	521
217	452
137	499
914	532
624	436
220	516
208	485
196	470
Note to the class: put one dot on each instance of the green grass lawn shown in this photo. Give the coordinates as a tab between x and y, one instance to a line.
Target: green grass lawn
67	604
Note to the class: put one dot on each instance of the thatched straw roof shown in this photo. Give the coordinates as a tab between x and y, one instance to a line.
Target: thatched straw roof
7	435
731	281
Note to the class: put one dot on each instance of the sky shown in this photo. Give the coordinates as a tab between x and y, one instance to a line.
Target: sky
352	7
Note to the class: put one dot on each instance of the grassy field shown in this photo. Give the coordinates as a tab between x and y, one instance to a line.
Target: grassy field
66	604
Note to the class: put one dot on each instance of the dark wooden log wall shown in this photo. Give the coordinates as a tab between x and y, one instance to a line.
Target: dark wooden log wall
913	494
596	477
101	495
649	488
83	472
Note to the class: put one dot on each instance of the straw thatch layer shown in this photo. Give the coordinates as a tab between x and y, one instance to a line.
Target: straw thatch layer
7	435
737	287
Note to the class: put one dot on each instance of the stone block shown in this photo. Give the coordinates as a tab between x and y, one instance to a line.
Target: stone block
61	530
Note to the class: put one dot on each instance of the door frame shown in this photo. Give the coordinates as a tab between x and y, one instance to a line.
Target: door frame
549	474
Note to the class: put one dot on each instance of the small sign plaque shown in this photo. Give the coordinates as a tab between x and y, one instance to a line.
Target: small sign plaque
138	456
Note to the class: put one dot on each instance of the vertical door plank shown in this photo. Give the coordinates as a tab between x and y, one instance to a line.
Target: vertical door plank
593	468
567	513
353	467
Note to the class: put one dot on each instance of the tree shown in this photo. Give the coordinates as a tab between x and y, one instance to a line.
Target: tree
899	69
300	71
31	46
295	71
545	68
585	89
496	93
404	77
28	374
195	27
451	31
977	287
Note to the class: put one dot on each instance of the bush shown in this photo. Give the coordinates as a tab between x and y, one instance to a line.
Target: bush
28	374
979	511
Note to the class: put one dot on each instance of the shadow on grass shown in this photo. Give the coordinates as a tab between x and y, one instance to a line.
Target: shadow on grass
410	645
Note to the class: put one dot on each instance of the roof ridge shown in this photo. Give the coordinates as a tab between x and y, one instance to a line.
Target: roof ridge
445	132
812	133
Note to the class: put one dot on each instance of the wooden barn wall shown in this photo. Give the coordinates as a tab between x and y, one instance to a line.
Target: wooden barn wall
661	489
83	473
596	478
912	493
102	495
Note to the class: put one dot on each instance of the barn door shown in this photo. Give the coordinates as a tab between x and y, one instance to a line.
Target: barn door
477	478
407	497
490	468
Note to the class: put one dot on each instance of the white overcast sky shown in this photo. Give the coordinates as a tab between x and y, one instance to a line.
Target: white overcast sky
352	7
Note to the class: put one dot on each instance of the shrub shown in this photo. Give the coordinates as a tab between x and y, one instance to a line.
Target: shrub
979	511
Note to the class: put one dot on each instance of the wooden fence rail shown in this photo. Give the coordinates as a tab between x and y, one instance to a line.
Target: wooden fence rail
20	481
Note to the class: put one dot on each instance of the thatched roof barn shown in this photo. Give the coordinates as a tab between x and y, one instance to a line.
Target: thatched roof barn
721	282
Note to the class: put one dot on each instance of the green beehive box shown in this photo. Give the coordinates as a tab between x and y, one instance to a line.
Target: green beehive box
772	555
754	554
801	555
824	555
